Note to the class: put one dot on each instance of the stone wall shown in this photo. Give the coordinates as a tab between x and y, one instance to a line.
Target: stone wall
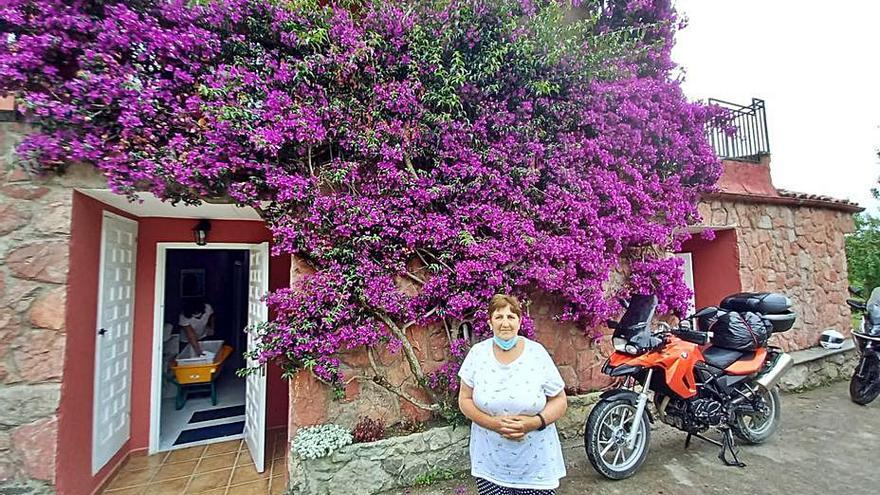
818	366
388	465
796	250
34	235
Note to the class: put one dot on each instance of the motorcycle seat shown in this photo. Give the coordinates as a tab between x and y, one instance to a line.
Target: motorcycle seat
720	357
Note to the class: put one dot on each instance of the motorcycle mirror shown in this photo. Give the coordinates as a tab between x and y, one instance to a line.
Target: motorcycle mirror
856	291
858	305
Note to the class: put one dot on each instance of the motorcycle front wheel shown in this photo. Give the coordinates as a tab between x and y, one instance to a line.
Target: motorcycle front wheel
606	435
864	386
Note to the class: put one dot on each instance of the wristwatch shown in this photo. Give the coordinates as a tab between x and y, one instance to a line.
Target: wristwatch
543	423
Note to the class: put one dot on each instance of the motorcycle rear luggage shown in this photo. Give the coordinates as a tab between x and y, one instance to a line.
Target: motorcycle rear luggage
781	322
757	302
740	331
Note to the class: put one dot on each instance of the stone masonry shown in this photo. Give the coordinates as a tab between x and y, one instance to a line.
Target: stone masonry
34	241
796	250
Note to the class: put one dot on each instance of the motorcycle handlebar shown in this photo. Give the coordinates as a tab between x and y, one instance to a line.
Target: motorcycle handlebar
693	336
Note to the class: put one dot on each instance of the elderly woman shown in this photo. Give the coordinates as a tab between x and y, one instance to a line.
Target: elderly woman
513	394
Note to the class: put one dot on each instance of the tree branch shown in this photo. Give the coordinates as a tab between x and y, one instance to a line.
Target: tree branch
382	381
414	366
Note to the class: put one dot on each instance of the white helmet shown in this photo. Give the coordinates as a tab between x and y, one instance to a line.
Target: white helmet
831	339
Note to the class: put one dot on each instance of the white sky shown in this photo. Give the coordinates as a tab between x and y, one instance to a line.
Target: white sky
816	66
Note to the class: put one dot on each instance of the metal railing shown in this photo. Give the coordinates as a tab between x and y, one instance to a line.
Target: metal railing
749	141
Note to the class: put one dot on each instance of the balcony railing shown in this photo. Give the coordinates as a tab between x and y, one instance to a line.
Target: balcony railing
749	141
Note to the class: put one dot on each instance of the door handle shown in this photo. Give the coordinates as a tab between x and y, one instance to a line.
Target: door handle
102	331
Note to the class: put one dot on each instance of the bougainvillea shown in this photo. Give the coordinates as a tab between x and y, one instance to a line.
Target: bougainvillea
419	156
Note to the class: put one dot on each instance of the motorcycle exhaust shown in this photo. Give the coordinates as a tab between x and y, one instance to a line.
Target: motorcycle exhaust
783	363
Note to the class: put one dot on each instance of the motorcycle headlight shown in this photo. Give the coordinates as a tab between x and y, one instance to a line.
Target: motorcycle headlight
624	346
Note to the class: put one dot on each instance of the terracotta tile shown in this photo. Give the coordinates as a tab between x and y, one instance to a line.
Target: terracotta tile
278	485
208	481
125	479
176	470
186	454
135	463
260	487
245	459
280	450
244	474
168	487
223	447
279	467
135	490
216	462
216	491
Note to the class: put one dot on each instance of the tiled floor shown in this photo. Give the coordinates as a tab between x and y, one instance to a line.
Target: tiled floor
230	392
218	469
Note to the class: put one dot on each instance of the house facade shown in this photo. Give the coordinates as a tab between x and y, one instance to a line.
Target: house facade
92	287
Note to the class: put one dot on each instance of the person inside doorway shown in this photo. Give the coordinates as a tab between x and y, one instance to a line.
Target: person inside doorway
196	322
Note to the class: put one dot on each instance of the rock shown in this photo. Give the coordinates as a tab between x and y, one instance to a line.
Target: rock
45	262
12	218
39	356
48	310
24	192
54	219
23	404
34	444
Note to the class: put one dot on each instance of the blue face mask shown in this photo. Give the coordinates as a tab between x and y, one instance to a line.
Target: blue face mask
506	345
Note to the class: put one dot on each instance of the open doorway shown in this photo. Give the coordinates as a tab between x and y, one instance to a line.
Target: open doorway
205	300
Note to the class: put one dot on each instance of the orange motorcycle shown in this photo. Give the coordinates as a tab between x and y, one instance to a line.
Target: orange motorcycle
714	369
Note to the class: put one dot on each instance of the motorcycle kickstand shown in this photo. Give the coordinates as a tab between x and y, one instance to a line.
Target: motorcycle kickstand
727	446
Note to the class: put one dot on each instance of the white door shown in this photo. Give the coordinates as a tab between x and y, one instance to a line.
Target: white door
111	415
255	391
688	268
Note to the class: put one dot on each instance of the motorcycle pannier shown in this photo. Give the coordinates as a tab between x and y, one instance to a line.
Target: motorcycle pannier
758	302
740	331
781	322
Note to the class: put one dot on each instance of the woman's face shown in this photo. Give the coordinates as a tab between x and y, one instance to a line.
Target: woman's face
505	323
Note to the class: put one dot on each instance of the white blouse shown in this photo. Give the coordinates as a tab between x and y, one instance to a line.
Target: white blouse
521	387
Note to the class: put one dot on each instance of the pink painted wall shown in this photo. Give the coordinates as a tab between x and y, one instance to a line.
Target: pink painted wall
74	459
75	423
716	267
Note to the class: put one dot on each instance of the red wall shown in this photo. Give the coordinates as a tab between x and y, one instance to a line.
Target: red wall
716	267
75	426
74	456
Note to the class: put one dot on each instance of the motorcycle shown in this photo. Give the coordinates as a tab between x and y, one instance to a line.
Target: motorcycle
695	385
864	386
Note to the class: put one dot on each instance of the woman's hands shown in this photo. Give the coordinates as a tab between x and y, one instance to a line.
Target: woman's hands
516	427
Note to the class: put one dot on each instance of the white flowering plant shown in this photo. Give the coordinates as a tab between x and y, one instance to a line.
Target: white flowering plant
320	441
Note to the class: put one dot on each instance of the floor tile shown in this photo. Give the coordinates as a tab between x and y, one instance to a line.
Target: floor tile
278	485
176	470
168	487
223	447
135	490
244	474
186	454
208	481
260	487
216	462
124	479
137	462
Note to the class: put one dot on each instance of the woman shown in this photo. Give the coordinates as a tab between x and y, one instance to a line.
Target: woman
513	394
196	322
